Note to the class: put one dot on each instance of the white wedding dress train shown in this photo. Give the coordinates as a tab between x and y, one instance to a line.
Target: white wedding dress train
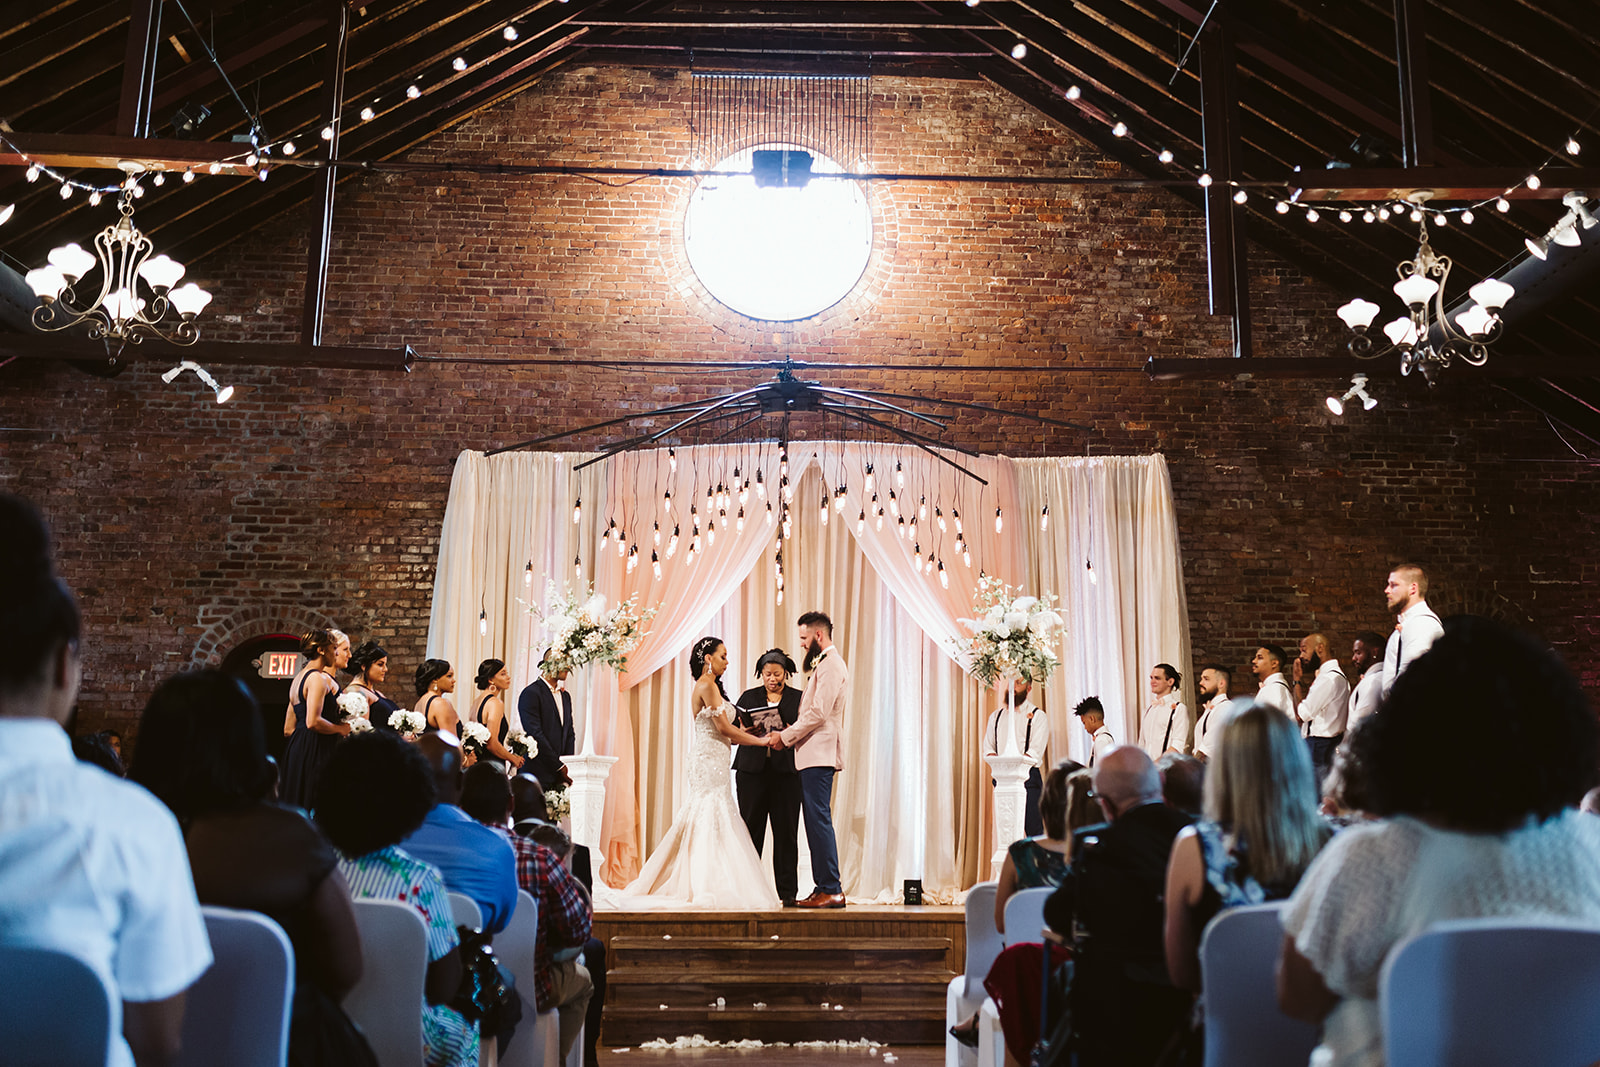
706	859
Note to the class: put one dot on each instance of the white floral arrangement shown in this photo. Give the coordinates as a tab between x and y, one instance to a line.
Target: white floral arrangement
557	803
408	724
475	738
360	725
521	744
353	705
584	633
1013	636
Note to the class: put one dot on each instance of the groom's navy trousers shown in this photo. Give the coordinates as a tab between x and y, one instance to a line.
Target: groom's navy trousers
816	804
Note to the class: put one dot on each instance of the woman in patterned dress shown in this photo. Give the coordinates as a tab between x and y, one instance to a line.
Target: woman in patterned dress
376	790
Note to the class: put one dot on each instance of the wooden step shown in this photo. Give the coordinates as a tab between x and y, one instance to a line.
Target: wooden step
905	992
695	953
634	1026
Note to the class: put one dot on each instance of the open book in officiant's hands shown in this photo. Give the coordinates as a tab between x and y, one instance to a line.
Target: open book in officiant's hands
762	721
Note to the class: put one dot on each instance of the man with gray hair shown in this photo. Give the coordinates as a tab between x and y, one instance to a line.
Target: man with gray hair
1124	1006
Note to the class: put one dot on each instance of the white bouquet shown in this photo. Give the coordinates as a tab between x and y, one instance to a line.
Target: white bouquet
475	738
1013	636
521	744
586	633
353	705
360	725
408	724
557	803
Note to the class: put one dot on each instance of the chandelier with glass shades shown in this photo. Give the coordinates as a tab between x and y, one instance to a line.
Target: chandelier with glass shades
120	311
1425	337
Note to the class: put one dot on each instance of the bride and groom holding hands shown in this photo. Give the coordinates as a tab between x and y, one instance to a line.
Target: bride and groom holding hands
710	857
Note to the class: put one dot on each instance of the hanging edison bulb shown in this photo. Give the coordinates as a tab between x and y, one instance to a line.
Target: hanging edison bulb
577	567
483	623
913	530
769	513
899	475
780	598
672	460
622	545
633	559
666	500
657	535
761	489
938	516
944	578
880	518
787	526
1044	518
916	556
744	491
869	482
655	565
577	510
783	463
739	524
672	542
694	545
839	501
894	504
711	498
711	531
900	527
1090	565
861	523
823	511
527	575
788	491
927	564
956	515
922	508
611	531
694	520
966	556
999	520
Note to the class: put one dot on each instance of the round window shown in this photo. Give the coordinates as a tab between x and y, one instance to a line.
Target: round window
773	243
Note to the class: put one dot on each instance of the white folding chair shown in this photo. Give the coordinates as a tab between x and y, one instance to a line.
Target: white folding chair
1238	960
1493	991
238	1012
536	1042
1025	915
965	994
465	911
56	1011
387	1002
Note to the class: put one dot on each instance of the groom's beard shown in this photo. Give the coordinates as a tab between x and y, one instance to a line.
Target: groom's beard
813	650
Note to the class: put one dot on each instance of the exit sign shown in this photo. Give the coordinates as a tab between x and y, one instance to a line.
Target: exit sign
280	664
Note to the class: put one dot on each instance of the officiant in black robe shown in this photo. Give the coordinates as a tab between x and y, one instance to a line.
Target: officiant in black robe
766	780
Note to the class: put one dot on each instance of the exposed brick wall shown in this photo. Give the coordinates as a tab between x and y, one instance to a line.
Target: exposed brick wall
319	494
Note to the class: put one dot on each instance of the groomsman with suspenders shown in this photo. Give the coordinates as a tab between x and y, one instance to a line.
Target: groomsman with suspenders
1032	732
1274	690
1416	626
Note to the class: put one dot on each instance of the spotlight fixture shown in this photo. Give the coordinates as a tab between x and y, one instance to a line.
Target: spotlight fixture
224	392
1414	333
6	212
120	314
1565	231
1357	391
187	119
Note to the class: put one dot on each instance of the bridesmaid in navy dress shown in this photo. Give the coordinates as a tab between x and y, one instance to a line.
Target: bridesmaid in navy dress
435	678
491	711
369	666
310	724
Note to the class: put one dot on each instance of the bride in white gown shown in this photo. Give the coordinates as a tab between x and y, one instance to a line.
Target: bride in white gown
706	859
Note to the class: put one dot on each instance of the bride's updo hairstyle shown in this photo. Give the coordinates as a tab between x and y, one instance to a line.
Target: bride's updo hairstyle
697	659
430	671
487	670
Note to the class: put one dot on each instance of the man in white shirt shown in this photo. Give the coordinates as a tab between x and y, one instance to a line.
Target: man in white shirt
1366	666
1216	708
1030	730
1092	714
1167	724
1416	627
1272	690
1326	704
90	865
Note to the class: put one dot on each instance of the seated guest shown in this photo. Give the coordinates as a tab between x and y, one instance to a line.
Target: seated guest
113	739
1465	829
474	860
564	914
90	865
531	818
1260	830
375	790
201	751
95	749
1182	779
1125	1009
1039	861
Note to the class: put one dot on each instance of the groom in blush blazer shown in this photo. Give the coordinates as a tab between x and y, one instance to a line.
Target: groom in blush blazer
817	738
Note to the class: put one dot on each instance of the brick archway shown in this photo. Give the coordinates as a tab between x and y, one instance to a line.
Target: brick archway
246	623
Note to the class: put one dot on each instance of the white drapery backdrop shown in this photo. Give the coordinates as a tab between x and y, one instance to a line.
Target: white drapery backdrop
913	800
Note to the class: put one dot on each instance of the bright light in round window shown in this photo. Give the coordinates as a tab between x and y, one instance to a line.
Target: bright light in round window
778	253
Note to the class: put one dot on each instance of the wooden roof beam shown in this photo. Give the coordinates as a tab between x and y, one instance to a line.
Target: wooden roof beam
1443	183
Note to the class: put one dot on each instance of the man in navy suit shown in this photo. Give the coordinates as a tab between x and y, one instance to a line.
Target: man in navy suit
548	720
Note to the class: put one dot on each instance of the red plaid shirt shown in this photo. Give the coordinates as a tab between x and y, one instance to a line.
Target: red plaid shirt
564	915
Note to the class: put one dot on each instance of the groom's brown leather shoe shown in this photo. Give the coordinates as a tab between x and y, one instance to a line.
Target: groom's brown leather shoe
820	899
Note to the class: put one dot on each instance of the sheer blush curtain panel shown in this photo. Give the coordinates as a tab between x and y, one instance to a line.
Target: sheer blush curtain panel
914	799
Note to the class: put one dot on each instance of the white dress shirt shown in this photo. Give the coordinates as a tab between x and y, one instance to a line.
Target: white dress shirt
1415	631
95	867
1166	724
1030	729
1366	696
1327	703
1100	742
1274	693
1214	715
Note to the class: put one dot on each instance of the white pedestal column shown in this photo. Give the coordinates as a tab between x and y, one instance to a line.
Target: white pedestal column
589	772
1010	770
